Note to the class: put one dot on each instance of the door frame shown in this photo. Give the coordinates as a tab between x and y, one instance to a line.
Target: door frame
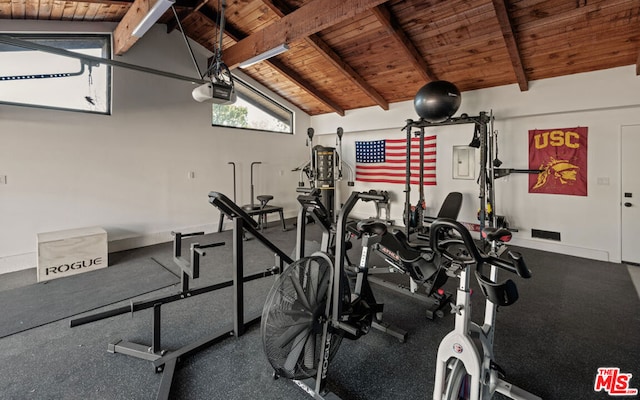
620	188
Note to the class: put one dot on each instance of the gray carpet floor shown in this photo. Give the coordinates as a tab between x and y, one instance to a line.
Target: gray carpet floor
574	316
38	304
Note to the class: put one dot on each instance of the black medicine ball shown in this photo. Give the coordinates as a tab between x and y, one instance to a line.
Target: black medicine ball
437	101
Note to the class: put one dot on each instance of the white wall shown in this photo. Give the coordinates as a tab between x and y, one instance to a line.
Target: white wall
128	172
603	101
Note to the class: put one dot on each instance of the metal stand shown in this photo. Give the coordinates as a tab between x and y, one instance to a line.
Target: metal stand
165	361
261	213
435	303
252	205
310	386
334	235
480	140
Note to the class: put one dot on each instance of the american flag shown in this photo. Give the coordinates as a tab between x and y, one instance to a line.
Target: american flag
385	161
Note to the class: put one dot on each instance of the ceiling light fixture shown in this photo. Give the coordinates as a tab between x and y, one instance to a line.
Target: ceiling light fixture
264	56
152	17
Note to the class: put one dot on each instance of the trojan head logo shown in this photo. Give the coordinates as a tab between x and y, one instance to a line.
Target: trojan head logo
561	170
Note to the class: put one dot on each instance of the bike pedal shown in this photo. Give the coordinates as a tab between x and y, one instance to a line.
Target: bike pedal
498	369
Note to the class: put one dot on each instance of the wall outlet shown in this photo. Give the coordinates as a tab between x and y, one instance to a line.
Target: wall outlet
3	179
192	175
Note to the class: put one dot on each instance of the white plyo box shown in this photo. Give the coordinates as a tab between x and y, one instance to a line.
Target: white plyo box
70	252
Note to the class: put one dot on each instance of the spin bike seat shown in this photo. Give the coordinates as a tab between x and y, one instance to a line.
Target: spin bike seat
499	234
372	227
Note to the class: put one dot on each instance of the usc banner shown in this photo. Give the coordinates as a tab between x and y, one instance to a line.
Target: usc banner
561	155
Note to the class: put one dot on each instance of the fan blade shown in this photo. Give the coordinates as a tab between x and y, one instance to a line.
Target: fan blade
322	289
314	271
291	332
310	352
296	350
300	292
300	316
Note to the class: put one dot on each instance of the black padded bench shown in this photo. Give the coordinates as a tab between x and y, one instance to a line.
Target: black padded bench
262	215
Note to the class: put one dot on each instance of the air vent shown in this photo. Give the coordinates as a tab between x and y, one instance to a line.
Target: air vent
550	235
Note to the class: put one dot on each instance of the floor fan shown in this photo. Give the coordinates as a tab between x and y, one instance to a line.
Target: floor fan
292	315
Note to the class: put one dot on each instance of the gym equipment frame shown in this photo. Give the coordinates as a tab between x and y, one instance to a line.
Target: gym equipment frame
484	138
480	139
165	361
324	170
465	367
253	209
312	306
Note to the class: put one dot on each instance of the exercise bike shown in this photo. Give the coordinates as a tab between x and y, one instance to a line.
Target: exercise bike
314	304
465	366
418	262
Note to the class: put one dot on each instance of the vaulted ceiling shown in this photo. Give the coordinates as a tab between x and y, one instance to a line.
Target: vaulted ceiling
347	54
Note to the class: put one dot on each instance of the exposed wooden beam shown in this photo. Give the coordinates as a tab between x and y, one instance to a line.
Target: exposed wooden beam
512	45
123	40
393	28
279	7
298	80
110	2
185	13
311	18
282	9
573	15
212	16
328	53
287	72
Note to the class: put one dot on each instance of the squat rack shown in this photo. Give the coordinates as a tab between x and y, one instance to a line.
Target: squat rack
480	139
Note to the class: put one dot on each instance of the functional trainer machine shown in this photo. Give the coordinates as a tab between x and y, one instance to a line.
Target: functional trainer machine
163	360
323	170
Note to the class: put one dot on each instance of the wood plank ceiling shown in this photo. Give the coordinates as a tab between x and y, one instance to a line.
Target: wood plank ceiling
347	54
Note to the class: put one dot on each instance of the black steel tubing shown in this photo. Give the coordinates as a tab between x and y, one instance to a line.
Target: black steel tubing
148	304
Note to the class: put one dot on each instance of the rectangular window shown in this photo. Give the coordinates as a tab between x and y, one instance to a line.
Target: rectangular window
253	110
42	79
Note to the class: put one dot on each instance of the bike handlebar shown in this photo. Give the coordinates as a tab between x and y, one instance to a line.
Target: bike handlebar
516	265
519	264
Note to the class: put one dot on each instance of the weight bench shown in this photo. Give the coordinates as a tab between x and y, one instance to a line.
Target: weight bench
261	212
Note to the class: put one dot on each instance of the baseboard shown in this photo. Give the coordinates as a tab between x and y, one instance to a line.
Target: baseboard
30	260
18	262
545	245
569	250
155	238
